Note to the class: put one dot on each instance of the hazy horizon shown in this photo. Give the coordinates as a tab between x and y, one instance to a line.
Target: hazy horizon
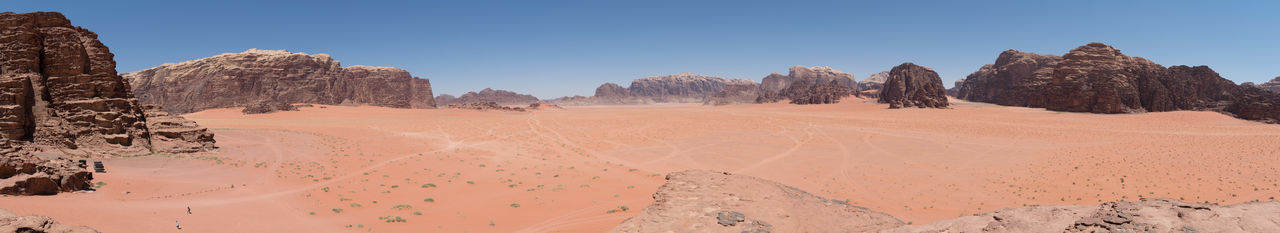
561	48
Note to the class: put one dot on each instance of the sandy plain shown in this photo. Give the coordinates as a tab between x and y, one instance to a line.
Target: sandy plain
585	169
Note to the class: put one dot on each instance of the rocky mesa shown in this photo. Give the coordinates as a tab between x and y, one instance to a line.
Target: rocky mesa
802	83
234	80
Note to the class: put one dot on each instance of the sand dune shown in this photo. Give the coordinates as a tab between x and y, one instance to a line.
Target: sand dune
366	168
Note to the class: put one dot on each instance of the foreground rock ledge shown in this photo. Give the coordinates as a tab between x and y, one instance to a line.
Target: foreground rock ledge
10	222
707	201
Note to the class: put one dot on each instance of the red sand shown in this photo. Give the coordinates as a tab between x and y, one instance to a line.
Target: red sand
352	168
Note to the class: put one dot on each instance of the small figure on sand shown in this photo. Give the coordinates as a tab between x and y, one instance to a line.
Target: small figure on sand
176	224
188	210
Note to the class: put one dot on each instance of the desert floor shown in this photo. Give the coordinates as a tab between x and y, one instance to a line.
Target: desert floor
586	169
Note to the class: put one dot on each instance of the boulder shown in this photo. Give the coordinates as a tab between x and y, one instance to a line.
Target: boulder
911	85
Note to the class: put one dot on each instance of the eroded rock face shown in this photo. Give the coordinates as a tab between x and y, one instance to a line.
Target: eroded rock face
707	201
488	95
234	80
911	85
10	222
777	87
804	92
954	91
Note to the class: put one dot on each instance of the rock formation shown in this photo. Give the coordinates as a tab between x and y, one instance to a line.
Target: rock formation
268	106
954	91
1016	79
873	82
542	106
1257	104
485	106
680	88
911	85
42	174
612	91
706	201
10	222
174	134
488	95
777	87
1096	78
60	93
804	92
734	94
1273	85
234	80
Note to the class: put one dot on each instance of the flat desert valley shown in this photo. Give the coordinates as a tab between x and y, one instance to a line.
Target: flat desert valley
586	169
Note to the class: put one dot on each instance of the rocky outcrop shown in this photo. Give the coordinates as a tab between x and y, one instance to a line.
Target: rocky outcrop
60	93
1015	79
268	106
485	106
488	95
776	87
954	91
804	92
235	80
734	94
707	201
911	85
1257	104
42	174
175	134
612	91
10	222
874	82
1273	85
680	88
1145	215
543	106
1096	78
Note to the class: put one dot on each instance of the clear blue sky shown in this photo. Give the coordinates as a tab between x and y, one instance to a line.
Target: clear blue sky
558	48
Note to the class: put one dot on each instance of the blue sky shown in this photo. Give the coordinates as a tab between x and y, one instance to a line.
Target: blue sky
558	48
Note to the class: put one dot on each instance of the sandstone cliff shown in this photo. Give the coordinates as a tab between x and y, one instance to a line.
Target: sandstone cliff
60	93
911	85
502	97
705	201
735	94
238	79
1096	78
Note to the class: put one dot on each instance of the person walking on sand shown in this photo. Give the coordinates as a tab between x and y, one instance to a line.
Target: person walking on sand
188	210
176	224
